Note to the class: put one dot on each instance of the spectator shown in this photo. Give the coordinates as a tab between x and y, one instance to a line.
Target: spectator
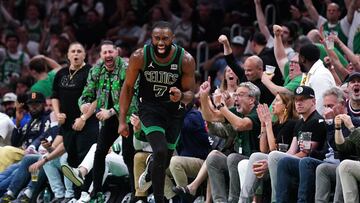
316	75
252	71
6	129
8	103
311	121
43	69
245	120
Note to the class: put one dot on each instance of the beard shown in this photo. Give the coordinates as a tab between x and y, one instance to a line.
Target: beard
36	114
162	55
10	112
303	68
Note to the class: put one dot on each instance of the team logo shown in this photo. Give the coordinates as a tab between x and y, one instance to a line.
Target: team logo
299	90
151	65
173	67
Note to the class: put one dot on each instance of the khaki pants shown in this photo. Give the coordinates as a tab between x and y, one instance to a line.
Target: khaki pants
139	168
182	168
9	155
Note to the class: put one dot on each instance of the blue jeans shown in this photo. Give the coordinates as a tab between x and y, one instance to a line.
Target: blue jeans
6	176
55	178
22	176
287	174
307	171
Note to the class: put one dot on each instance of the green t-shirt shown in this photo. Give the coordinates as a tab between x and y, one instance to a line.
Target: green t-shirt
247	142
45	86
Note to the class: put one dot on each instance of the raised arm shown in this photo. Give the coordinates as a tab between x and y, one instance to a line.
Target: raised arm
350	11
136	62
260	17
348	53
279	50
207	110
314	15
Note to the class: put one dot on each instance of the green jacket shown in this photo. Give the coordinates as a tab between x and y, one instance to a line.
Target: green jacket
102	84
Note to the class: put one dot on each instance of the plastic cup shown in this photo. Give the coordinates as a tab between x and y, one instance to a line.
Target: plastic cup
330	40
283	147
305	138
34	176
256	165
269	70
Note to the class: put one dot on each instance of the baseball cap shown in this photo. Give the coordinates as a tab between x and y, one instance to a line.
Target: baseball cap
9	97
353	76
35	97
238	40
304	91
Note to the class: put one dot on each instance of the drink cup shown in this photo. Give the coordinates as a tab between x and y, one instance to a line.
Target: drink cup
269	69
34	176
305	138
256	165
283	147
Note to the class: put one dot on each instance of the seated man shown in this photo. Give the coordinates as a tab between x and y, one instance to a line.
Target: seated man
244	119
26	140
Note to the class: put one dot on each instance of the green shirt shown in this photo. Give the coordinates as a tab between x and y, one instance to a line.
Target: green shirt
247	142
45	86
101	84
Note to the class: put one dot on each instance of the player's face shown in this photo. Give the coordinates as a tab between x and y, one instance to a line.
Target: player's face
76	55
108	54
161	39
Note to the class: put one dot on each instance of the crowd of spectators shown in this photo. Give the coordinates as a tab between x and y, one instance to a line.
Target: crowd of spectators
243	110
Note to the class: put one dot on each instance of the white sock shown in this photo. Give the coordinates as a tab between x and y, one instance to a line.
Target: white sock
28	192
9	192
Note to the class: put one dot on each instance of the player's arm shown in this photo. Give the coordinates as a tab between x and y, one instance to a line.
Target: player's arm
136	62
188	78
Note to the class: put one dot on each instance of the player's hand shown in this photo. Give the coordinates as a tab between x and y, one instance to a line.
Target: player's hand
175	94
135	121
123	129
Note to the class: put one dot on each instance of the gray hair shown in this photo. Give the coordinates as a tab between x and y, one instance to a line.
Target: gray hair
337	92
254	91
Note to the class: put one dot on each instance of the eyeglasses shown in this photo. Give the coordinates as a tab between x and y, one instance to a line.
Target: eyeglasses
240	95
293	62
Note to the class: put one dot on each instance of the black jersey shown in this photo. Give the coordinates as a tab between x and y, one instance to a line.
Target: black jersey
157	78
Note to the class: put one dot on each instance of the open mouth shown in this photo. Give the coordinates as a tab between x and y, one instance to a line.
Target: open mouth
76	59
161	50
231	78
356	90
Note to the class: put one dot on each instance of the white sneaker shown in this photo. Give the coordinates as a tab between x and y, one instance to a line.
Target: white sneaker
73	174
107	196
143	184
84	198
127	198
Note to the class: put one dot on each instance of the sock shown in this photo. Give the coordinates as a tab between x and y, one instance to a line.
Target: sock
28	192
9	192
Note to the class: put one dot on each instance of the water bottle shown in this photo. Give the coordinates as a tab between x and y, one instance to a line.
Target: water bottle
47	196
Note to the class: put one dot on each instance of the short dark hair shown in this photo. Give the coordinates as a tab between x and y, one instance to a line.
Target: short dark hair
12	35
39	65
310	52
107	42
163	25
259	38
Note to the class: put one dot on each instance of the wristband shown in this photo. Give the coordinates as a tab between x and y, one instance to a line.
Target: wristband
337	128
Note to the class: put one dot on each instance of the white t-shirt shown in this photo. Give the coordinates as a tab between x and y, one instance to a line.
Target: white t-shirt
6	129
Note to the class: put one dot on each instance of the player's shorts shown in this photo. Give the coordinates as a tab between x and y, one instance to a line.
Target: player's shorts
159	117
